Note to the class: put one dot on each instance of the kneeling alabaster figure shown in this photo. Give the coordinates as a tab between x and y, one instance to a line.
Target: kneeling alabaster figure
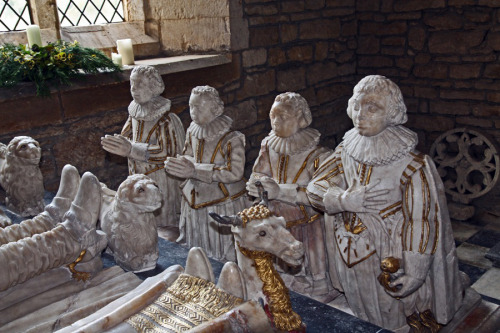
288	158
389	235
212	163
149	136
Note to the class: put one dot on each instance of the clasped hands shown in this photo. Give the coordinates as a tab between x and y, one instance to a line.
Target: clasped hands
116	144
269	184
180	167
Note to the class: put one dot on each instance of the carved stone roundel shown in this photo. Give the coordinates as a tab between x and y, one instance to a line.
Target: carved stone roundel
467	162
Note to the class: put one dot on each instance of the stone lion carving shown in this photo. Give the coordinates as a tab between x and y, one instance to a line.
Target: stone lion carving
128	220
20	175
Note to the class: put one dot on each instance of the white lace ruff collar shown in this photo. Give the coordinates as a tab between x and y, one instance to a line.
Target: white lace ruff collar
151	110
394	143
212	130
301	141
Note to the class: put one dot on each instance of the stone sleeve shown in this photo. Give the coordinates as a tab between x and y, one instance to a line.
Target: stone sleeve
420	230
232	170
28	257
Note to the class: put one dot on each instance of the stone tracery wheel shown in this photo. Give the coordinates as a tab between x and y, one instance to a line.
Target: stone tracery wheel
467	162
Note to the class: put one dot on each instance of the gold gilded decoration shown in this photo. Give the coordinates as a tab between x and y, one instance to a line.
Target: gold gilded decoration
388	266
77	275
187	303
429	321
257	212
276	292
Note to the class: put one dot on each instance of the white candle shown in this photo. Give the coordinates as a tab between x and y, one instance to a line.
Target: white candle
126	49
34	37
117	59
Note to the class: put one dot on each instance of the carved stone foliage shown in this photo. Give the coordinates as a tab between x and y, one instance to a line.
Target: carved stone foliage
467	162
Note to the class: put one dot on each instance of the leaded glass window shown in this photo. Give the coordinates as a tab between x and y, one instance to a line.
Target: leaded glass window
14	15
89	12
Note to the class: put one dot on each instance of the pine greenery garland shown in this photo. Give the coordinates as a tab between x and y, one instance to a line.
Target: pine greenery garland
52	65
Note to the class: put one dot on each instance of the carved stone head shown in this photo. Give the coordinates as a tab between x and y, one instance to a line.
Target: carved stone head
376	103
289	114
145	83
205	105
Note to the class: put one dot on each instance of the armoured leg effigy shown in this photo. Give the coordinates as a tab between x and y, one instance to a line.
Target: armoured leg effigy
31	256
52	214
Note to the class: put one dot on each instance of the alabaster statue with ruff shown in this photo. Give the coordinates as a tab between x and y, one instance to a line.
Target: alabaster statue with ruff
288	158
150	135
20	175
212	165
389	236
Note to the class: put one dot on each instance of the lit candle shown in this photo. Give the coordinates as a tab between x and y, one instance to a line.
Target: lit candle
34	37
117	59
125	48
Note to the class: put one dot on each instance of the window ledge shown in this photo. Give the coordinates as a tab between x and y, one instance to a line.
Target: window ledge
166	65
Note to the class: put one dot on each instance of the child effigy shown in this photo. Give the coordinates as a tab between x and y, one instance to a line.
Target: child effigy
389	236
150	135
212	163
288	158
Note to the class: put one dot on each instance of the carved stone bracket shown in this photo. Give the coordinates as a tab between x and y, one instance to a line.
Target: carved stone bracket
469	166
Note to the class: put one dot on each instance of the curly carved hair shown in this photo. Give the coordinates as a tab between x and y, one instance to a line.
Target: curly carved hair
379	84
153	76
213	94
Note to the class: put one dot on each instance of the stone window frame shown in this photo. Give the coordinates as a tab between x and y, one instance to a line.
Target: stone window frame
182	27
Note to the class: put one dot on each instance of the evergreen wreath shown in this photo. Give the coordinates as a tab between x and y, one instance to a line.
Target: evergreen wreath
52	65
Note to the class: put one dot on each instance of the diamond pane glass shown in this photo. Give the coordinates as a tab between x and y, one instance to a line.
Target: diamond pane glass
88	12
14	15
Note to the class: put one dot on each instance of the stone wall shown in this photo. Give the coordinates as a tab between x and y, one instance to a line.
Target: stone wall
442	53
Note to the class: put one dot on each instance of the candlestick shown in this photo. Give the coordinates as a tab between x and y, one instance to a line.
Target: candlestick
117	59
34	37
126	49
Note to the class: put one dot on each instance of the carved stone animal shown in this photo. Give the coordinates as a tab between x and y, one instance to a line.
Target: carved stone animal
128	220
259	236
20	175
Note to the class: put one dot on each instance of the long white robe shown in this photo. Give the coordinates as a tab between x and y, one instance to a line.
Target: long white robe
413	220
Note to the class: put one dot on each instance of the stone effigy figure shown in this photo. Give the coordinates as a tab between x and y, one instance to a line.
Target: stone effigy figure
57	236
20	175
128	220
149	136
389	236
212	163
288	158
